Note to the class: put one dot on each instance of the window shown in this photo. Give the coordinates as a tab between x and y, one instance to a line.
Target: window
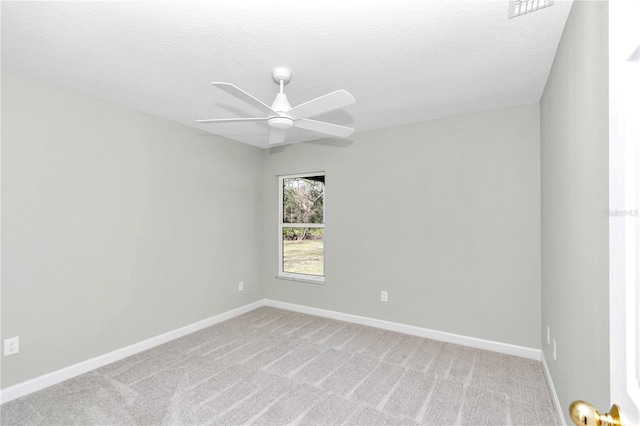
301	227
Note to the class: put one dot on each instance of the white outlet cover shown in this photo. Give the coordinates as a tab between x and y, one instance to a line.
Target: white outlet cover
554	349
11	346
241	286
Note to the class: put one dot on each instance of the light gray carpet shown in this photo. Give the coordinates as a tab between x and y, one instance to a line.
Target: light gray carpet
272	367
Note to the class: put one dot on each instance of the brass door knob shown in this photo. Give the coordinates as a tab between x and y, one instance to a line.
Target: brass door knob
583	413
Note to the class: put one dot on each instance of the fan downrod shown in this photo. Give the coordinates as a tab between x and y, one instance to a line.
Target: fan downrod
281	74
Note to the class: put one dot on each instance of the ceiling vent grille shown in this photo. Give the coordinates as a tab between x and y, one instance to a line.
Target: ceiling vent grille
522	7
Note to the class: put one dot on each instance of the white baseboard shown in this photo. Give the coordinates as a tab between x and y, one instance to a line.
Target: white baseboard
50	379
458	339
552	391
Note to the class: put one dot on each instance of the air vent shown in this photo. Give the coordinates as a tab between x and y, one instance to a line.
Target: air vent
522	7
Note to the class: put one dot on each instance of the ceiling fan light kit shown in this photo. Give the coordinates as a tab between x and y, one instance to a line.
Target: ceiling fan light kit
281	116
281	123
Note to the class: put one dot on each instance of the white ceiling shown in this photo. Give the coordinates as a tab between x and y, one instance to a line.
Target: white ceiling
404	61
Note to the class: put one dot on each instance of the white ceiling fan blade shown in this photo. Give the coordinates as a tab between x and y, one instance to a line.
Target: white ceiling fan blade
329	102
322	127
244	96
230	120
276	136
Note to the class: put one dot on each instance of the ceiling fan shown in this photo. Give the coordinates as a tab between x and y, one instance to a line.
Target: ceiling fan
281	116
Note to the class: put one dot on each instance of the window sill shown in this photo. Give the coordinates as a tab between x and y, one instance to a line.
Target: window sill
303	280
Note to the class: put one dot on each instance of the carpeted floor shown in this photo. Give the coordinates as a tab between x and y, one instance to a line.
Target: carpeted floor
272	367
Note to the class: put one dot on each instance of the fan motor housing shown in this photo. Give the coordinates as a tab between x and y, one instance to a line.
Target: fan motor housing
280	123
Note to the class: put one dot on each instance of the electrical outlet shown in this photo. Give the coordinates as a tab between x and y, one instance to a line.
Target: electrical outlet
241	286
384	296
11	346
554	350
548	335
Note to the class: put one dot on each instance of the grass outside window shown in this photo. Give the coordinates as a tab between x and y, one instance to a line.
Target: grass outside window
303	257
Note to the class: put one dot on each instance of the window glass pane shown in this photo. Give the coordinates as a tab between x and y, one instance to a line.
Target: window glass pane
303	251
303	200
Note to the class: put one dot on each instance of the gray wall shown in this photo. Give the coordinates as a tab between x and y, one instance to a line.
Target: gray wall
444	215
116	226
574	169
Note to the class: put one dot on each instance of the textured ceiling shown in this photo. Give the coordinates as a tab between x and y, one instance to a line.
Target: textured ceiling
404	62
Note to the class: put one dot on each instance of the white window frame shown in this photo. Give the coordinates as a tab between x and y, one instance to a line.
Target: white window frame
281	225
